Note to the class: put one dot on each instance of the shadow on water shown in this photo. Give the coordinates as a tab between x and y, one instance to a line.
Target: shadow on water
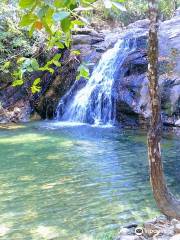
76	182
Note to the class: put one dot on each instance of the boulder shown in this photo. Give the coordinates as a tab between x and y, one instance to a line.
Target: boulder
130	90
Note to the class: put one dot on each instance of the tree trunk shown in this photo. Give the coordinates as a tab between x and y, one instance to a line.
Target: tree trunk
164	199
175	5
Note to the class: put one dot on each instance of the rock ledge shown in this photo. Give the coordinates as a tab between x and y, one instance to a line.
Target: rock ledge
159	228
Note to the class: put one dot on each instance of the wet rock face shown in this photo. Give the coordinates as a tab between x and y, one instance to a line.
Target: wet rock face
130	91
14	103
55	86
91	45
20	112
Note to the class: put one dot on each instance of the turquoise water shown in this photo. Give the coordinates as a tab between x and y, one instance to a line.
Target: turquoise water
76	182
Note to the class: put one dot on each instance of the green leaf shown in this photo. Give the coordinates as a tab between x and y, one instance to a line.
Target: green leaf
59	45
26	3
59	16
32	30
83	72
77	22
67	42
28	19
58	3
46	68
42	12
36	81
6	65
35	89
21	60
57	56
51	70
46	13
34	64
17	83
119	6
65	25
47	27
58	64
76	52
120	1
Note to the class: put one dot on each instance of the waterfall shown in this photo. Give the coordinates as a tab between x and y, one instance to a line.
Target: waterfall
94	102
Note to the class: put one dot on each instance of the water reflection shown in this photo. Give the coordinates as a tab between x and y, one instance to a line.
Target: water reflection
75	182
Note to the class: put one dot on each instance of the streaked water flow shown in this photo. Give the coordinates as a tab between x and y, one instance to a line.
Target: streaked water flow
94	103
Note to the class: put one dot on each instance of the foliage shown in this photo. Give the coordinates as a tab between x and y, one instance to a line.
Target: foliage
83	71
11	33
135	10
58	19
17	50
51	21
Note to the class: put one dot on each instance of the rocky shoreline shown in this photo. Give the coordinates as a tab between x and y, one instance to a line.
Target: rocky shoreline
160	228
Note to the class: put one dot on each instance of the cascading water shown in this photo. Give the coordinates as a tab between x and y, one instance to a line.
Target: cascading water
94	102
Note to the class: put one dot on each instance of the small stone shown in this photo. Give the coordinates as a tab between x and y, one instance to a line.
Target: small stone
177	228
175	237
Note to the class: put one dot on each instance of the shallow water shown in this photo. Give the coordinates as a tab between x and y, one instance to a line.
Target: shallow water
76	182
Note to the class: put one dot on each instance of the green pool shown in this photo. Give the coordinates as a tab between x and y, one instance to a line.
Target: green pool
60	181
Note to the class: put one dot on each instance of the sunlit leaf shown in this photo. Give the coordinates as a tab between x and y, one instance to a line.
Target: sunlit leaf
58	64
26	3
28	19
35	89
36	81
6	65
65	24
83	72
58	3
57	56
34	64
17	83
60	45
20	60
77	22
76	52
